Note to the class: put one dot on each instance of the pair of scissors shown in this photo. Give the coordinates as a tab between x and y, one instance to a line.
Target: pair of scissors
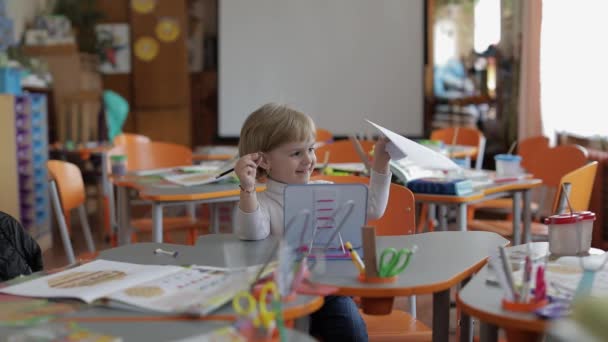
261	313
395	263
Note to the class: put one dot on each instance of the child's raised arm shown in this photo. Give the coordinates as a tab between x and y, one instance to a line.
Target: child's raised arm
381	157
246	171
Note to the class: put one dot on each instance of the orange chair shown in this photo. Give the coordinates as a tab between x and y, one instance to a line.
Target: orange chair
580	182
343	151
125	139
156	155
463	136
528	149
67	193
398	219
324	136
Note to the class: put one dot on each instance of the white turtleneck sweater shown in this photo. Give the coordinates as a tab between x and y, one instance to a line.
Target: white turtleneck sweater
268	217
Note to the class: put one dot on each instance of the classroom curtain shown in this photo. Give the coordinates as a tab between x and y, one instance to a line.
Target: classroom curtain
529	108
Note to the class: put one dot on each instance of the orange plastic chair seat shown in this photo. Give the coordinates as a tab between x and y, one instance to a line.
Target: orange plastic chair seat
396	326
505	228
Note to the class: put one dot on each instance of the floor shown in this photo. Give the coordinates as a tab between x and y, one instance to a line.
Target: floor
55	257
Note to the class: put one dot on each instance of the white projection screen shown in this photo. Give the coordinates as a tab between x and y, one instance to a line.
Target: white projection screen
340	61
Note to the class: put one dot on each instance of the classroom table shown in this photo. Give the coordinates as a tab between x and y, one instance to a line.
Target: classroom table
443	260
151	330
163	194
491	190
482	300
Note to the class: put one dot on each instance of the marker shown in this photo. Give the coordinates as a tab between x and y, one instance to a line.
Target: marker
355	257
162	251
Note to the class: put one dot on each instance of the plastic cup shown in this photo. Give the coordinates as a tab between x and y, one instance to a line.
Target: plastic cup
508	165
570	234
119	165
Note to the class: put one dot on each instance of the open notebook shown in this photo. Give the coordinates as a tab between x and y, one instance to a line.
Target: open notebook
168	289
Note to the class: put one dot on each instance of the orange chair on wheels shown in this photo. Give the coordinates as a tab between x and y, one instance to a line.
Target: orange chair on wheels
66	188
580	184
155	155
398	219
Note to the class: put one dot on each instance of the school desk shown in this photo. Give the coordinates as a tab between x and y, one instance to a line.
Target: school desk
482	300
516	189
443	260
163	194
153	330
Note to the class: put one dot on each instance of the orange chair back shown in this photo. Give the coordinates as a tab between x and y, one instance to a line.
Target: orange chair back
124	139
581	184
343	151
552	164
154	155
324	136
69	182
464	136
400	215
531	147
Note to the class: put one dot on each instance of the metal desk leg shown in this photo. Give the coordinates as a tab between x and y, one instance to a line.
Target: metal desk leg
215	217
443	217
488	332
431	216
527	216
157	222
465	323
124	226
516	218
441	316
462	217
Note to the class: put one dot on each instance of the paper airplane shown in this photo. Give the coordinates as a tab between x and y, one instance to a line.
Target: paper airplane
401	147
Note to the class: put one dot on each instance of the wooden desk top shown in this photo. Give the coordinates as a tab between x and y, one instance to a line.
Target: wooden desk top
443	260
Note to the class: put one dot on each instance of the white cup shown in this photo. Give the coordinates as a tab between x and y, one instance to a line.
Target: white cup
507	165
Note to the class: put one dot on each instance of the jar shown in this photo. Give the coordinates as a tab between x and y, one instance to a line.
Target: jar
119	165
507	165
570	234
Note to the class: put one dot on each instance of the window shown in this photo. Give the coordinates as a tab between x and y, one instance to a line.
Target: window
574	67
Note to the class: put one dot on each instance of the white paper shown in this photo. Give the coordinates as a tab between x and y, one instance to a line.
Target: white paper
401	147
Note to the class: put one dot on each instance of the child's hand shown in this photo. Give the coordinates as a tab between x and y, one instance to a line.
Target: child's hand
246	170
381	156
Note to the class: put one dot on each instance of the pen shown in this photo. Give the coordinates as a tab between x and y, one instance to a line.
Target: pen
224	173
355	257
162	251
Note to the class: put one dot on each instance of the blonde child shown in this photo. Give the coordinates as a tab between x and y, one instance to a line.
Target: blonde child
278	143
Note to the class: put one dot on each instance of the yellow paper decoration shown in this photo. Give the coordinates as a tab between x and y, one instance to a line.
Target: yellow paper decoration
167	29
143	6
146	48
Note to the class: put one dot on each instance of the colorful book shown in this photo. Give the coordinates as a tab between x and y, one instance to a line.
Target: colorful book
441	186
168	289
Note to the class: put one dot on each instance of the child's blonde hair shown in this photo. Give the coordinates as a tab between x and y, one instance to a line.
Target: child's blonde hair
271	126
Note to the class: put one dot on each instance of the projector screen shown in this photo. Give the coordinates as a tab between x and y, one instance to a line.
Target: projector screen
339	61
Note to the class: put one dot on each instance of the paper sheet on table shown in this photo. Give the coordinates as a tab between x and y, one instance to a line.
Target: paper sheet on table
401	147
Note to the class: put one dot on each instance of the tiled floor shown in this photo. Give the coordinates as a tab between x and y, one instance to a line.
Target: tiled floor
55	257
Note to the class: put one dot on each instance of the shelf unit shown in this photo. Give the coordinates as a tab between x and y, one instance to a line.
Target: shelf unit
23	174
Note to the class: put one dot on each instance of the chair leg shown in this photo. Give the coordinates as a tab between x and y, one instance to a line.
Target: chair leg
63	229
413	306
86	228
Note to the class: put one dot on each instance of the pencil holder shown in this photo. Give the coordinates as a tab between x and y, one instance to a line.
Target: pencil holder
523	307
376	280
